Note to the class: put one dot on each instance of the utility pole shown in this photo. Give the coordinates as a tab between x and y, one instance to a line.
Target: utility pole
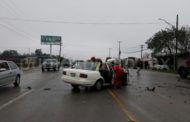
176	39
141	50
109	52
119	50
60	52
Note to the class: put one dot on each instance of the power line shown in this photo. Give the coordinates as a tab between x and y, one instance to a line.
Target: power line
16	13
19	30
16	7
13	30
77	22
136	51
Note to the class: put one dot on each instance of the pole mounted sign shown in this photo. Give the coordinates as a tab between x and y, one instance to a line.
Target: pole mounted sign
50	40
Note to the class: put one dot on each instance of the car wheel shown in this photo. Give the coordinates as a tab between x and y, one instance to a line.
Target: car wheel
17	81
75	86
183	72
54	69
43	70
99	85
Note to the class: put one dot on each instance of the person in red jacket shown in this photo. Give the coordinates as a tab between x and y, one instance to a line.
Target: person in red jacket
118	75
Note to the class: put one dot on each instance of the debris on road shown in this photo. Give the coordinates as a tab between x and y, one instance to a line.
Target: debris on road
150	89
29	87
47	89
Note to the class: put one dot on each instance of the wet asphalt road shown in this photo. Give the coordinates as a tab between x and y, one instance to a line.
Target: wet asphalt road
43	97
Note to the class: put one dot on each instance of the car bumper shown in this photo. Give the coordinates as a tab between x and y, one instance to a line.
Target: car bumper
78	81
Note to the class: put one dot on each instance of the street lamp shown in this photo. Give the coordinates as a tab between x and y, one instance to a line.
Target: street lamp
176	38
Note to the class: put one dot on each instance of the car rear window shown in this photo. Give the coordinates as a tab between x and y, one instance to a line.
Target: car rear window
86	65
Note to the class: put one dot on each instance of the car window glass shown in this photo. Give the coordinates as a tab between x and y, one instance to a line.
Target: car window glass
4	65
12	65
86	65
104	67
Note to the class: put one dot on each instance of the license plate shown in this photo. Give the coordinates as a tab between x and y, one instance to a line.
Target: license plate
72	74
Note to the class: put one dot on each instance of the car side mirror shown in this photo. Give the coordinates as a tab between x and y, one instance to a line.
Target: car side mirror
2	69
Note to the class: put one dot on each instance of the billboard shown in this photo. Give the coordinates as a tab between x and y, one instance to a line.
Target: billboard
50	40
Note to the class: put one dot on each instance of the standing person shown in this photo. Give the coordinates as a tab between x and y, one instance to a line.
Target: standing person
139	65
125	78
118	75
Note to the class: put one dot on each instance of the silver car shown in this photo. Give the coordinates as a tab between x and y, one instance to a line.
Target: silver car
9	73
50	64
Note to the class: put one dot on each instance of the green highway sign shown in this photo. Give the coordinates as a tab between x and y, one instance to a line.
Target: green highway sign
47	40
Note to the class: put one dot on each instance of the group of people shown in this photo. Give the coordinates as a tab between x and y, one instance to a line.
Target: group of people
121	72
121	75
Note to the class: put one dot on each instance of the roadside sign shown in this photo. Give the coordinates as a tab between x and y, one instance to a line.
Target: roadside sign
50	40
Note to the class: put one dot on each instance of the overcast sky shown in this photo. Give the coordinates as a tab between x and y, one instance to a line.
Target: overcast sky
88	27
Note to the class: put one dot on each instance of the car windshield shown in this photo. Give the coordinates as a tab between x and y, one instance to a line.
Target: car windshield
87	65
50	60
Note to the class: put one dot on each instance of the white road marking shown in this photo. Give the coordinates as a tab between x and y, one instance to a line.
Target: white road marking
14	100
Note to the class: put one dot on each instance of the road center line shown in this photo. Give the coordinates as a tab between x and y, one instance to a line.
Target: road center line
122	106
14	100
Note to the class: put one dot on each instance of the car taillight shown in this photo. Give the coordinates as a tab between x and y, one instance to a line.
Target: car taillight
64	72
83	75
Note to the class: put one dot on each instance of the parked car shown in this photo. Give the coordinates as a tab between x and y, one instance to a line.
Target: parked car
50	64
160	67
9	73
89	74
164	67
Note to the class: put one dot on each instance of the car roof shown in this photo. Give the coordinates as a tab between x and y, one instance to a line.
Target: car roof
3	61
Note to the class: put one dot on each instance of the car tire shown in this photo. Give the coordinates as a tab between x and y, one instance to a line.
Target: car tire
43	70
54	69
17	81
183	72
75	86
98	85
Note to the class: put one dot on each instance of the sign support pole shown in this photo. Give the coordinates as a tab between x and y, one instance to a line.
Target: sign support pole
50	50
60	52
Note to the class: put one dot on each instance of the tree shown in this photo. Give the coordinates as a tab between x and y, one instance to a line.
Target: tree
38	52
10	53
164	41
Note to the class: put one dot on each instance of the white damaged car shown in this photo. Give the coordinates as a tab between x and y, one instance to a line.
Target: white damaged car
93	74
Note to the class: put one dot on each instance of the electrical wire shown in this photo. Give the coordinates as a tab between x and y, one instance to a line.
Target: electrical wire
13	30
70	22
19	30
136	51
16	6
9	7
